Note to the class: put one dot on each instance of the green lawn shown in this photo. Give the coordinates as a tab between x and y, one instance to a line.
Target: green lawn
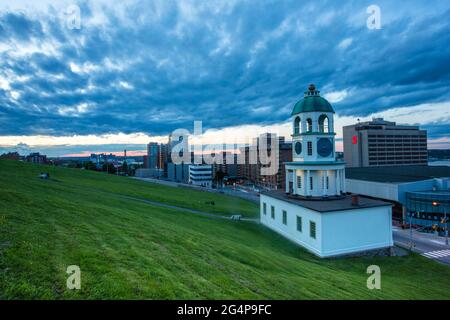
129	249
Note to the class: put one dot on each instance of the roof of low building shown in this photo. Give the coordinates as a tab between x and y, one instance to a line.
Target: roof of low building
397	174
314	163
312	102
324	205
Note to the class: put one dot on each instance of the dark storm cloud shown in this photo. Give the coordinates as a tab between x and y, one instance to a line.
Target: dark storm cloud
158	66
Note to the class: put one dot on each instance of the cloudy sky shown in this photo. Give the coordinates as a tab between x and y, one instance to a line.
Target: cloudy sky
136	70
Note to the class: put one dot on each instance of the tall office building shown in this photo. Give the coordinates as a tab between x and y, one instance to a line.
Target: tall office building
228	165
284	154
156	156
248	169
153	155
252	167
384	143
162	156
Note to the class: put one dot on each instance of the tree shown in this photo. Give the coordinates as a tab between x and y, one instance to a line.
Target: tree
90	165
10	156
219	177
112	169
109	167
125	167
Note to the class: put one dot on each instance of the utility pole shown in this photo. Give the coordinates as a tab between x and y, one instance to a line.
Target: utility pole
411	245
445	225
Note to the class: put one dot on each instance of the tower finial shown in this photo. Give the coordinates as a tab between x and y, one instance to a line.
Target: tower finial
312	91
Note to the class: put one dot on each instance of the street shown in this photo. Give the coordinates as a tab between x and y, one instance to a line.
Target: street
428	245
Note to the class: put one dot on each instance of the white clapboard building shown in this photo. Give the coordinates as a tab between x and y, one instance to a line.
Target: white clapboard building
314	210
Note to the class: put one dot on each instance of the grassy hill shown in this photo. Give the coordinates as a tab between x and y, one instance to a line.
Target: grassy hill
130	249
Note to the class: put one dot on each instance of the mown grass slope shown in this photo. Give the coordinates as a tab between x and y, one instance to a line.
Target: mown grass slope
128	249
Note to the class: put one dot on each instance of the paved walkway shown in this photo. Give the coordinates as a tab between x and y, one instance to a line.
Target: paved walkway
239	192
197	212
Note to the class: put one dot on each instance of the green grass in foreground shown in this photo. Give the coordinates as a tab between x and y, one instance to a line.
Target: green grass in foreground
128	249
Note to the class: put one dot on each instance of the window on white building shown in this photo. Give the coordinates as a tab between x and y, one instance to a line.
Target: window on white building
312	229
272	212
284	217
311	183
309	127
299	224
264	208
297	124
299	182
323	123
309	148
328	183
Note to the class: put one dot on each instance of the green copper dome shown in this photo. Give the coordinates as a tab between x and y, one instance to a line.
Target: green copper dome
312	102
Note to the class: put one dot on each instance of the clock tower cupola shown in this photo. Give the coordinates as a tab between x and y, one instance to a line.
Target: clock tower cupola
313	128
314	171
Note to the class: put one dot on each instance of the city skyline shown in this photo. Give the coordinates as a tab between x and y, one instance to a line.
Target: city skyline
200	155
134	72
241	136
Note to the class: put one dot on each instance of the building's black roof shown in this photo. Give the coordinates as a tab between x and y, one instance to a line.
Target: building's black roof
323	206
397	174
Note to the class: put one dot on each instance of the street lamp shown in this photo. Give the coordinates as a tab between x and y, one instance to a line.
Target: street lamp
437	204
411	244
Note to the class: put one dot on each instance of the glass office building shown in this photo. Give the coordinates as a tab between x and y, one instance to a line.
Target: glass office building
428	208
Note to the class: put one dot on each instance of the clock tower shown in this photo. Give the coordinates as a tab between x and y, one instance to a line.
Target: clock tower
314	211
314	172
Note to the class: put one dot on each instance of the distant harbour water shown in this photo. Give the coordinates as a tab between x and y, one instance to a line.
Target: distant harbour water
439	163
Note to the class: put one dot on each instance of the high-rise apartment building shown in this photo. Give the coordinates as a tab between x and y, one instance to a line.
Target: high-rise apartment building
153	155
384	143
228	164
156	157
252	168
162	156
